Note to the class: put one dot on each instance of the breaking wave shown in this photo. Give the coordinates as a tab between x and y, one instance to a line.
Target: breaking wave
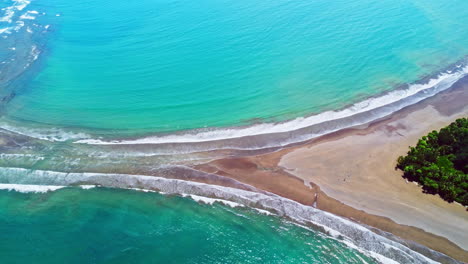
377	107
266	135
353	234
25	188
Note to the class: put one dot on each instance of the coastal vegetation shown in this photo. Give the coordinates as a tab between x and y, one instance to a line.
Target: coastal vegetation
439	162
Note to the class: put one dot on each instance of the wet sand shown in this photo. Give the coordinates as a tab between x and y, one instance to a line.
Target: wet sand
349	173
352	173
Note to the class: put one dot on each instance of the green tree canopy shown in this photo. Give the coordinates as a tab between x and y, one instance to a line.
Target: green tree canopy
439	162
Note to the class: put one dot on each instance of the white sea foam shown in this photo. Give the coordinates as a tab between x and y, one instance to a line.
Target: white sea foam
211	201
385	260
15	156
6	30
142	190
35	52
8	15
9	11
26	188
265	212
21	4
348	232
27	16
53	134
380	258
442	82
19	25
87	187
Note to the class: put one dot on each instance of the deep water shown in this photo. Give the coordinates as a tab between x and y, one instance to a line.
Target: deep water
114	86
100	225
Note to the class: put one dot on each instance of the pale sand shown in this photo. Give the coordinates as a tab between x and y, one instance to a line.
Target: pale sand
351	173
357	168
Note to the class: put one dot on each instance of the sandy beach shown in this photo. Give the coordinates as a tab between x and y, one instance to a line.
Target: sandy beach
349	173
358	170
352	173
231	132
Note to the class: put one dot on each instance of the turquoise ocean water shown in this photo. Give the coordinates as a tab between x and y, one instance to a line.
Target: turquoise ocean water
73	225
160	66
79	78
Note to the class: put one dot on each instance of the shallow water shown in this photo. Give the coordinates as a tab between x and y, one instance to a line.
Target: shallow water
126	68
86	86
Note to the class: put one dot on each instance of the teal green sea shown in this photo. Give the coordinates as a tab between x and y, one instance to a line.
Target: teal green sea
101	225
176	81
149	66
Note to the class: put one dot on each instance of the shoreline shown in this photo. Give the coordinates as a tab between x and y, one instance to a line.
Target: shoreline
291	173
340	161
285	133
383	247
265	134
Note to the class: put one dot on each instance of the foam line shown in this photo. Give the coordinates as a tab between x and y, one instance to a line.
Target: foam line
442	82
343	229
27	188
266	135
